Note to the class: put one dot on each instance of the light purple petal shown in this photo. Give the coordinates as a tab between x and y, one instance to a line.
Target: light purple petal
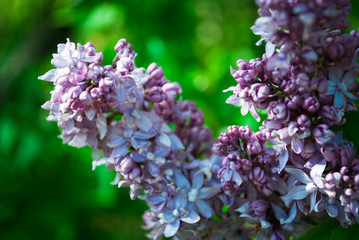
163	140
245	108
316	173
182	181
144	135
175	142
297	145
120	151
253	111
245	208
60	62
234	100
319	206
354	207
279	213
230	88
270	48
204	208
156	198
180	200
332	210
237	179
292	214
90	113
137	143
283	157
121	94
153	169
296	193
226	175
197	181
101	124
124	183
292	129
208	192
168	214
144	123
49	76
171	228
191	217
313	198
298	174
161	151
69	125
138	157
79	140
264	225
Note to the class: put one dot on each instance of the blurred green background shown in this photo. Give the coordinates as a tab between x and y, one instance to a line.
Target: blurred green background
47	189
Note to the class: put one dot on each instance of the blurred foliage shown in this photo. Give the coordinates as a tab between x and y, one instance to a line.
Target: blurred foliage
47	190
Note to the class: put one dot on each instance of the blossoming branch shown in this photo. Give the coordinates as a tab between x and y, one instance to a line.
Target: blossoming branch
246	183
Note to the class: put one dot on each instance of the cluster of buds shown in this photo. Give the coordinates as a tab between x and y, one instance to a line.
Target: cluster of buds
306	81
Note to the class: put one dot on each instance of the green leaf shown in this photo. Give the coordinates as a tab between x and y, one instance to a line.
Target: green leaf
331	230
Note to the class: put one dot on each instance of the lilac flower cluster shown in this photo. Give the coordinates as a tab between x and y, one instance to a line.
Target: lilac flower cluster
247	183
306	81
138	126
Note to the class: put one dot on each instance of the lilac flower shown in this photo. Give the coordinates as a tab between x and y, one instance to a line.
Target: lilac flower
197	193
231	165
175	213
341	86
311	184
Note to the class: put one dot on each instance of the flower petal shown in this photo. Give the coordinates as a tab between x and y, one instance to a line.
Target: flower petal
297	145
204	208
245	108
49	76
296	193
350	78
316	173
335	74
237	179
292	214
171	228
298	174
339	100
245	208
332	210
197	181
101	124
153	169
253	111
279	213
226	175
182	181
163	140
313	198
191	217
270	48
208	192
234	100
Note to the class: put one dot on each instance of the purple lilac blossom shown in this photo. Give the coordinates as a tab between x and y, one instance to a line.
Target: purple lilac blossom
249	184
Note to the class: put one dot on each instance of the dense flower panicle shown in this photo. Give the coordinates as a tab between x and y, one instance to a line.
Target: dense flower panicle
307	81
246	184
